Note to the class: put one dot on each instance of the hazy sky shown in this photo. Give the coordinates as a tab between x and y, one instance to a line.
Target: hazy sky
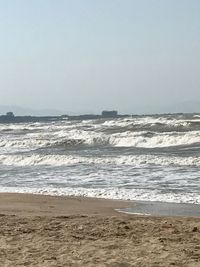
88	55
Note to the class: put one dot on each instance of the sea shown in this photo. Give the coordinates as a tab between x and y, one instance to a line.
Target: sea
144	158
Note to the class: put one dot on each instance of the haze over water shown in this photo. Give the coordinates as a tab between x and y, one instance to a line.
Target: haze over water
153	158
135	56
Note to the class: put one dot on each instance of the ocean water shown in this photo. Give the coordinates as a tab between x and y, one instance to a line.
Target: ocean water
154	158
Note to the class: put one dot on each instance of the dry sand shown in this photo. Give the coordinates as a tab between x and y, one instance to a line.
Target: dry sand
61	231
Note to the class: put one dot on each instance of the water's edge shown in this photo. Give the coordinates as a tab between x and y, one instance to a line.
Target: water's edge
151	208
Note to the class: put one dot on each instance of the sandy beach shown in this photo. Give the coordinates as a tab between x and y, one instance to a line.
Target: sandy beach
50	231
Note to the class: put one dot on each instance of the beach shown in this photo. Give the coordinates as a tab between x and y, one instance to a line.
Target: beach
38	230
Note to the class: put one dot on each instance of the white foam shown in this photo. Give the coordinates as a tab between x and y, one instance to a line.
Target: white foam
74	137
63	160
148	121
138	139
111	193
96	133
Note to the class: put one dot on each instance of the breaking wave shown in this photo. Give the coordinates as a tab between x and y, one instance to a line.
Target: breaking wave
126	139
63	160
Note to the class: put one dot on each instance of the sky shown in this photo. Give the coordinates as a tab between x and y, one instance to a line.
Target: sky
83	56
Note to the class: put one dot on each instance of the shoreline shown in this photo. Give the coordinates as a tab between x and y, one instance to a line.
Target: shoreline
52	231
169	209
47	205
51	205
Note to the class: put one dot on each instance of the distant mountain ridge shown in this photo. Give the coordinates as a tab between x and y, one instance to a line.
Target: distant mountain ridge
180	107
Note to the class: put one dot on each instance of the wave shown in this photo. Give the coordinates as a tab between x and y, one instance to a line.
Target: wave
139	121
144	132
147	121
136	121
110	193
126	139
153	140
63	160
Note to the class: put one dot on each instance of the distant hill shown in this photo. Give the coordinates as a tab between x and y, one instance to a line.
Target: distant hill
179	107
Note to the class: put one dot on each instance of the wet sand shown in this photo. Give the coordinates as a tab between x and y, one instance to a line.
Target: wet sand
63	231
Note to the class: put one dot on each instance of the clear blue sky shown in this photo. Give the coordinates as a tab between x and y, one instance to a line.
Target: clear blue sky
87	55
